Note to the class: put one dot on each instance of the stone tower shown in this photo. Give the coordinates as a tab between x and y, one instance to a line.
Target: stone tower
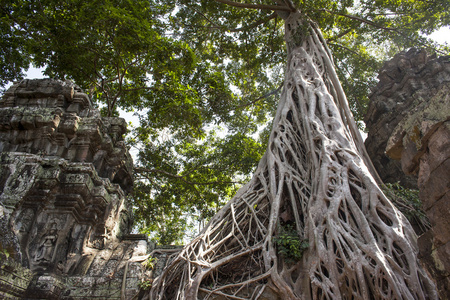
65	219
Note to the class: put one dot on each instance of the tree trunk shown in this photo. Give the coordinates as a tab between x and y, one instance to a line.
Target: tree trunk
313	181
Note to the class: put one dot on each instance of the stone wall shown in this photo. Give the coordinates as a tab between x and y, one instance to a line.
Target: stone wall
419	139
65	219
405	81
422	142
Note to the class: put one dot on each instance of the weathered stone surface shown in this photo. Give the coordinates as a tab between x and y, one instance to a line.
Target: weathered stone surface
39	117
65	220
409	79
421	141
439	214
14	279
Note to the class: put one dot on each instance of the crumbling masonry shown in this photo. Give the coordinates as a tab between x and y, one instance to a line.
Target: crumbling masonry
64	216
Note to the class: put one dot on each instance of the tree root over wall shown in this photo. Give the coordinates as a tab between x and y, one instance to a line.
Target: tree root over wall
313	179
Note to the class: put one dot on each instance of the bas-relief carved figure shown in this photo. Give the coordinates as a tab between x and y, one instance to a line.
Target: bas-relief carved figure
47	245
65	173
24	221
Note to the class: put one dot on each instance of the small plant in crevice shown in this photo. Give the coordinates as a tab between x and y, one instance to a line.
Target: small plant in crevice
289	244
4	253
145	284
150	263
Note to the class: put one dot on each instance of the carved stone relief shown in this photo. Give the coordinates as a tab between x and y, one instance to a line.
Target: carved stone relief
65	173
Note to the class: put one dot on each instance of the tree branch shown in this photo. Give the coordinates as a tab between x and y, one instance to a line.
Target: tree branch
255	6
371	23
148	88
262	97
289	4
253	25
141	170
358	19
333	38
16	21
346	48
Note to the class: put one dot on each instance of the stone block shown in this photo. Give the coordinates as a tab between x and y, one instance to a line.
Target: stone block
435	185
15	121
14	279
439	146
69	125
442	257
439	217
74	108
27	122
409	158
45	287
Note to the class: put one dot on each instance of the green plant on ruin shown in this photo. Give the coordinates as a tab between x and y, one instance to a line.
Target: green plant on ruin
408	202
4	253
289	243
150	263
145	284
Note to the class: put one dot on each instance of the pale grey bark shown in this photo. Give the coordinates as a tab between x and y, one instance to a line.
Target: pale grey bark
313	177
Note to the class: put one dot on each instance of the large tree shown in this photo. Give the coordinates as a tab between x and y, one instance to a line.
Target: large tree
126	56
203	76
244	53
312	223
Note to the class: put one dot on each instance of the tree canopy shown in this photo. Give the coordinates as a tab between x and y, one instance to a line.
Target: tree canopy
312	223
203	77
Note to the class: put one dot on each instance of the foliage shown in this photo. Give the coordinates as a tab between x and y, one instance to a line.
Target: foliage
145	284
361	35
409	196
150	262
110	48
5	253
12	62
408	202
194	185
289	244
202	76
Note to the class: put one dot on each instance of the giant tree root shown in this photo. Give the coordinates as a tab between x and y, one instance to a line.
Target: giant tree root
312	178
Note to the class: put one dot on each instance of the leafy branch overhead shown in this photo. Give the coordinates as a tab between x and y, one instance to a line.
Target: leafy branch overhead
202	76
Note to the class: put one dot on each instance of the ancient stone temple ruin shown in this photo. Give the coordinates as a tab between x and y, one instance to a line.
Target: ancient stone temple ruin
409	133
65	174
64	216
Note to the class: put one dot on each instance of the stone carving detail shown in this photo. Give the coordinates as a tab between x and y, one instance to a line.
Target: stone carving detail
404	83
46	247
49	119
64	176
